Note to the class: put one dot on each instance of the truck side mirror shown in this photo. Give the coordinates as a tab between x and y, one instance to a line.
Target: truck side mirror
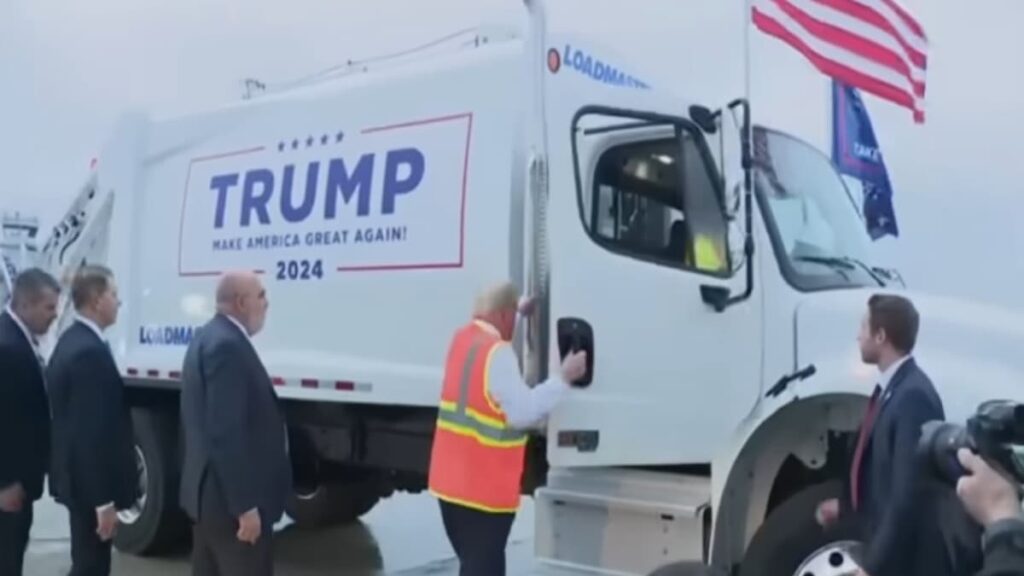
715	296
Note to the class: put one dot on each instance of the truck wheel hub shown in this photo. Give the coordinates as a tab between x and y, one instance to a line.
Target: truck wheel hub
131	515
831	560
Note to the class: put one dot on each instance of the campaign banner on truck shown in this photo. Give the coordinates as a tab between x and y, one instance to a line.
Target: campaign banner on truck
376	197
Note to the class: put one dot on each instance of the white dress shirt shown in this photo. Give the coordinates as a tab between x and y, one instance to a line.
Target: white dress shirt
91	325
885	378
239	326
523	406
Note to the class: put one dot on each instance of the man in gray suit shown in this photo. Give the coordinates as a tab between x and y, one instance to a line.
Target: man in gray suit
236	473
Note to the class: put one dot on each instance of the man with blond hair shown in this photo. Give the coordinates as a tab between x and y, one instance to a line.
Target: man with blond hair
478	454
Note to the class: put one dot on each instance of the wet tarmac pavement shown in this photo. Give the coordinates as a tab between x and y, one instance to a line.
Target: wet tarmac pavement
402	536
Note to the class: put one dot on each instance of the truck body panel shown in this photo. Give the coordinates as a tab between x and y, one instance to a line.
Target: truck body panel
372	214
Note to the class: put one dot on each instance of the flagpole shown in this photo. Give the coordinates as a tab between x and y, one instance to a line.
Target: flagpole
747	15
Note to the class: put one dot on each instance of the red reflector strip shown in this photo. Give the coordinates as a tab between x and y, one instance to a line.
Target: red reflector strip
311	383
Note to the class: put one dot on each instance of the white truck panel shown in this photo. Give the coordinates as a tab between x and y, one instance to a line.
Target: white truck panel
667	388
364	291
623	521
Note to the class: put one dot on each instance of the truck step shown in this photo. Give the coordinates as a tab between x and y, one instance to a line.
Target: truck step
619	521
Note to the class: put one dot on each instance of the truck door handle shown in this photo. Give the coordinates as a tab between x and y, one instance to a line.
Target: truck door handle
575	334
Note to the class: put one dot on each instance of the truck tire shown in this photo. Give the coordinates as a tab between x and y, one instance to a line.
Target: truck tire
332	504
790	542
156	523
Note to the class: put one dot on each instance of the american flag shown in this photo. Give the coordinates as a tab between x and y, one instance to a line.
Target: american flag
874	45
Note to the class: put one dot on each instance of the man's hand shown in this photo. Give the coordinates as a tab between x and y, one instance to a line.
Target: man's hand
987	496
12	498
106	522
861	572
828	512
249	526
574	366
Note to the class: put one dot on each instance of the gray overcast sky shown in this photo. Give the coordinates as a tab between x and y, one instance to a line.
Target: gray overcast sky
68	68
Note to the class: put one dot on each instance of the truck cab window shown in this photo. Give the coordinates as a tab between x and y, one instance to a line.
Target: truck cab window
643	205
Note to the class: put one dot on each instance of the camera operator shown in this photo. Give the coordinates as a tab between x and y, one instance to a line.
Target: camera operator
993	502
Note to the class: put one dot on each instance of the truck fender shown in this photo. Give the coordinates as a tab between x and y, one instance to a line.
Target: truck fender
797	422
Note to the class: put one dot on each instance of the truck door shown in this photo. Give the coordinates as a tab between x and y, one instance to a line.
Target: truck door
638	239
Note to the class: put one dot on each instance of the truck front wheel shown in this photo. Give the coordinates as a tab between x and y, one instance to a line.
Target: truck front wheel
791	542
155	523
333	503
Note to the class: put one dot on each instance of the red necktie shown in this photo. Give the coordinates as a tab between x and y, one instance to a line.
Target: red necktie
862	441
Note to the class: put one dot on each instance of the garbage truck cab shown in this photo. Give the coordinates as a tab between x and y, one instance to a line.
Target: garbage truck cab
720	300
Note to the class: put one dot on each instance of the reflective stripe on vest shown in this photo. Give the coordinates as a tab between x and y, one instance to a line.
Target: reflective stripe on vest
476	460
457	417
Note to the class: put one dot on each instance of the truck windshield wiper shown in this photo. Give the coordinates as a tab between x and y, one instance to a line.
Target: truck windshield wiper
842	263
838	264
871	271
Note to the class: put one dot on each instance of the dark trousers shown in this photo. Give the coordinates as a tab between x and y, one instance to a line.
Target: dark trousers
14	530
90	556
216	550
479	538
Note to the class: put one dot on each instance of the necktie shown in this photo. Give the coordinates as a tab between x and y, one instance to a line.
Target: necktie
862	441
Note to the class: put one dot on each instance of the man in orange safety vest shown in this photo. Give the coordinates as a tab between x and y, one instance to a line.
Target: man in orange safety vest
478	454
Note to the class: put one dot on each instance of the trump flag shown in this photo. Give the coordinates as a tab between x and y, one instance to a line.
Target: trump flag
856	153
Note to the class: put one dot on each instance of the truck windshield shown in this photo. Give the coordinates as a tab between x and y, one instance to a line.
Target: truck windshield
818	237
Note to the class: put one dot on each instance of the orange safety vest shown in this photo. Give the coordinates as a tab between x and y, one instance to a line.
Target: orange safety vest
476	459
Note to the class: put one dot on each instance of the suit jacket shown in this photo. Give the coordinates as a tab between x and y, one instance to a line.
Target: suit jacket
93	444
912	523
234	428
24	412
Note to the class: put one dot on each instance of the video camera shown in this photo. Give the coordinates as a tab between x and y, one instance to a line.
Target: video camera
995	432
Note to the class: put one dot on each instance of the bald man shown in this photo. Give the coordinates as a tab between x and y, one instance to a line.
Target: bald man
236	475
478	455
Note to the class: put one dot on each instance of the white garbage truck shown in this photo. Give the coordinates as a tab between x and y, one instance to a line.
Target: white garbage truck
718	295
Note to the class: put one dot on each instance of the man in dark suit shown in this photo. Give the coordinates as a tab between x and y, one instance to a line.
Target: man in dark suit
24	411
93	471
897	503
236	474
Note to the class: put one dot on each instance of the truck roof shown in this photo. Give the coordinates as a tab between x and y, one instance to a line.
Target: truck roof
454	50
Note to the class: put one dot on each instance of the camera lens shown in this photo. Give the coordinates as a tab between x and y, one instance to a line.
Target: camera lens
939	444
